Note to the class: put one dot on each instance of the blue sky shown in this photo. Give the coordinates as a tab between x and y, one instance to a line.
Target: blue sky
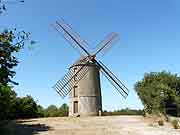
149	33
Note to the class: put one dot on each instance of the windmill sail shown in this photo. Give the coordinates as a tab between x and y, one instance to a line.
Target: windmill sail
120	87
75	34
68	39
106	44
64	86
70	35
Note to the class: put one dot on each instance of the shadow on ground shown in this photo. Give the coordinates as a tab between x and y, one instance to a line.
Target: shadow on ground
23	128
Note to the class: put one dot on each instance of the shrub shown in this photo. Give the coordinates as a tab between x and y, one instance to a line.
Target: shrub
176	124
161	123
126	111
159	91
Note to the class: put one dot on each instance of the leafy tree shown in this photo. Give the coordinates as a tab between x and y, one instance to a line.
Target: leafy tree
51	111
158	91
41	111
11	42
7	100
63	110
28	107
126	111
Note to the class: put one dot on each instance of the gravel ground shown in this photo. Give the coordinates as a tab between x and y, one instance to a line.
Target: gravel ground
109	125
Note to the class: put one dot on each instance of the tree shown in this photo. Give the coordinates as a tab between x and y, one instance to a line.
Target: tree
63	110
7	100
27	107
51	111
11	42
41	111
158	91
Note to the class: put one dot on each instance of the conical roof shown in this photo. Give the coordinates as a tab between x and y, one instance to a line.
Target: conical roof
81	60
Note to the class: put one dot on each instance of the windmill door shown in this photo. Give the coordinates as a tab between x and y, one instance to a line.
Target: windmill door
75	106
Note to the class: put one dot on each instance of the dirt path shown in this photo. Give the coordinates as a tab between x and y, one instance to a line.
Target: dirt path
109	125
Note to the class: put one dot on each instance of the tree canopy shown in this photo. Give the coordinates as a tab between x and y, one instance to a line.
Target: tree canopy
11	106
53	111
11	42
159	92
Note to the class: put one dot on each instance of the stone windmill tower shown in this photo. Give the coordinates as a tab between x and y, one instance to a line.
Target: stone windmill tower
82	82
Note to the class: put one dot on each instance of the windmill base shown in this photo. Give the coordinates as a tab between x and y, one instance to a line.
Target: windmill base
85	97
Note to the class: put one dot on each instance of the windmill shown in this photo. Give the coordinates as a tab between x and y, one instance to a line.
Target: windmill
82	82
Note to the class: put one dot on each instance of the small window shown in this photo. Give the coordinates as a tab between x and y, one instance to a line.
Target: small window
75	76
75	91
75	106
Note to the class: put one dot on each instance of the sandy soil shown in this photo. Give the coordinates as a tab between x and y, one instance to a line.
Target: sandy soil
109	125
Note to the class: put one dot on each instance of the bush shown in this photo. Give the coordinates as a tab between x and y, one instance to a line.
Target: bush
158	92
126	111
161	123
176	124
53	111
